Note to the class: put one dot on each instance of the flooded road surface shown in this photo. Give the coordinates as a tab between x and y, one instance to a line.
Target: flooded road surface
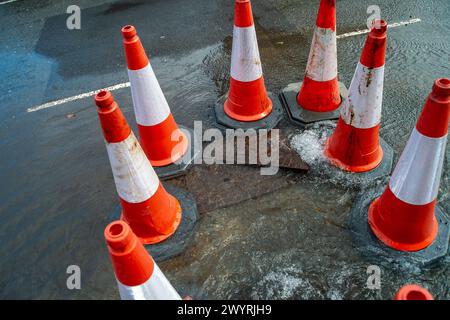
276	237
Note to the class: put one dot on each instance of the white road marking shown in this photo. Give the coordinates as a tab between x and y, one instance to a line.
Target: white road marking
77	97
392	25
127	84
5	2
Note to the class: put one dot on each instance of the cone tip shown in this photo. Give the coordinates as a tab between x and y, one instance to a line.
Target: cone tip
330	3
128	31
413	292
441	87
326	16
379	27
104	99
243	16
118	235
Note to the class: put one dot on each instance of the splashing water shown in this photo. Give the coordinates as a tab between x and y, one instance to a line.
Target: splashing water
285	283
310	143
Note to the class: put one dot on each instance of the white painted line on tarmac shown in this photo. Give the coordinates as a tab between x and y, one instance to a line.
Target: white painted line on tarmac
9	1
77	97
127	84
364	31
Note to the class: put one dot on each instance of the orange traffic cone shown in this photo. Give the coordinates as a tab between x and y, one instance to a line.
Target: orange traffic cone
138	276
413	292
162	140
147	207
355	144
404	216
320	90
247	101
320	93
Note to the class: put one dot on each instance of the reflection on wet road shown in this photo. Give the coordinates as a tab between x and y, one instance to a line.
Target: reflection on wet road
57	192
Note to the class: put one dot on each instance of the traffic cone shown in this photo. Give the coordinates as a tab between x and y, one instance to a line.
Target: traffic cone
163	142
404	217
247	97
320	89
355	143
248	100
147	207
138	276
413	292
320	94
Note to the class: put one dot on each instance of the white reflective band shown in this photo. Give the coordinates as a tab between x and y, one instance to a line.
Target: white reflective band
417	175
322	60
155	288
362	108
150	105
245	60
135	179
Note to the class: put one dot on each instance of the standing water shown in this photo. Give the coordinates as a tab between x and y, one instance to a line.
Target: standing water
286	237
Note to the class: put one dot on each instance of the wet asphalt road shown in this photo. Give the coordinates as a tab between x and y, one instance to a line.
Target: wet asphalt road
57	192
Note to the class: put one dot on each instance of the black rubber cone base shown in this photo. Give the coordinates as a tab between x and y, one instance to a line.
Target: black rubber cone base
374	249
180	167
304	117
268	122
179	241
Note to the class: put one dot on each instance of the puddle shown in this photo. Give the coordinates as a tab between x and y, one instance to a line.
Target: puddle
282	237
